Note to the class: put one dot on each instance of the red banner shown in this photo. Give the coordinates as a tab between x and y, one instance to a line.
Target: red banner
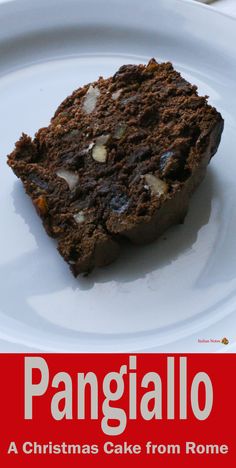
97	410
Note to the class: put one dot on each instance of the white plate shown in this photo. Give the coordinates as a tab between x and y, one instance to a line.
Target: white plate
162	297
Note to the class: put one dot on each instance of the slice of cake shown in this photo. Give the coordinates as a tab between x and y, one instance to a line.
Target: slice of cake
120	158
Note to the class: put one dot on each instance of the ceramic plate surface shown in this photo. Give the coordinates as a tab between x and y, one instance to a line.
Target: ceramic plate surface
163	297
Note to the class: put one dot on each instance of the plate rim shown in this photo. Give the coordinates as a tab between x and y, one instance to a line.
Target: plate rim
193	3
189	2
209	8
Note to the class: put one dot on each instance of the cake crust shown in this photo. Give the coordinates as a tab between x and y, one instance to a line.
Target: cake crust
120	158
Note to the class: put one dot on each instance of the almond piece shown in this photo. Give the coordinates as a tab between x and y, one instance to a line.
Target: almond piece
99	151
116	94
156	185
79	217
90	99
70	177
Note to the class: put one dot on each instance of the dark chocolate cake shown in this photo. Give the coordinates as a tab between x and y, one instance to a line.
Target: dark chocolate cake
120	158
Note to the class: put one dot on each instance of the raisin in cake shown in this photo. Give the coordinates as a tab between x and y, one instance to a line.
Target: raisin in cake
120	158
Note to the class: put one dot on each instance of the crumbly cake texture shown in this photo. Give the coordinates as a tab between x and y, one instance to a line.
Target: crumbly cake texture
120	158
